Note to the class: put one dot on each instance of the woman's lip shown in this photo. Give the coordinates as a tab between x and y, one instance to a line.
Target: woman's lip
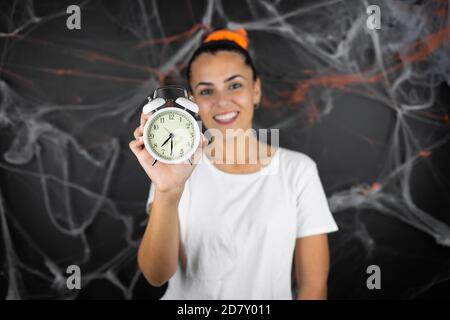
219	114
228	121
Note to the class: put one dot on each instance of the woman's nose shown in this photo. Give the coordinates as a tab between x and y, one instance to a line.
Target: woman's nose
223	100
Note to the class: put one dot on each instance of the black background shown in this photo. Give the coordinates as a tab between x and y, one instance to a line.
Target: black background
370	107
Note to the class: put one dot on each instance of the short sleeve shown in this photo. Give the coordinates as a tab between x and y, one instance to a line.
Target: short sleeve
151	195
313	213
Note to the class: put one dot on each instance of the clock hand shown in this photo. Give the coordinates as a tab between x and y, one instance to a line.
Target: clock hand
171	146
170	137
167	130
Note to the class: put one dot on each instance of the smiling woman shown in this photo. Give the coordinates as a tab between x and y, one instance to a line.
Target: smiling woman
228	91
234	230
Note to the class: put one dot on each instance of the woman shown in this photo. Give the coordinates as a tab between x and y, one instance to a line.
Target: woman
226	230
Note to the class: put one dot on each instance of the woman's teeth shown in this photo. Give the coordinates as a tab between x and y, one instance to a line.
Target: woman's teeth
226	117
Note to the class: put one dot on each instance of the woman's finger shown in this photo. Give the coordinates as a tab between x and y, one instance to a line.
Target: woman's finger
196	157
138	132
204	138
136	145
144	117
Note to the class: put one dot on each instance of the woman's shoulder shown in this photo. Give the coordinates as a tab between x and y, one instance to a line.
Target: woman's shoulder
297	166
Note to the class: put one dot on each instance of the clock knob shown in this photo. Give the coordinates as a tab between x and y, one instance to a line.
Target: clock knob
153	105
188	104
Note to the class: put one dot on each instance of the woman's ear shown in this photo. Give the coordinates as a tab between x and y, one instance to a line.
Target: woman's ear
257	91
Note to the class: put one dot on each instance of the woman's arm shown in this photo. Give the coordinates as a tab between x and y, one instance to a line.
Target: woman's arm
312	266
159	249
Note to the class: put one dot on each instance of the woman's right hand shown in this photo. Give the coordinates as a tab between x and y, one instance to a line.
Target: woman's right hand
166	177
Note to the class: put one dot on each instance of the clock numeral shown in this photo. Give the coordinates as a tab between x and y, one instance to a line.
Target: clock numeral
155	127
180	118
171	116
161	120
181	152
162	150
152	135
188	125
155	145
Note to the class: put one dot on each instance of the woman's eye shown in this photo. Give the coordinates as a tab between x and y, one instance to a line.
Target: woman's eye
205	92
236	85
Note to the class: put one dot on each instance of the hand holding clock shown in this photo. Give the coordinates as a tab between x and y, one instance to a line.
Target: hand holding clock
166	177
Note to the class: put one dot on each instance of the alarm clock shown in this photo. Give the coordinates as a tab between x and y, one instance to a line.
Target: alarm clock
172	133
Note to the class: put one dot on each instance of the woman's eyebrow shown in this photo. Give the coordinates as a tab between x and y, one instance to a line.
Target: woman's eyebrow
233	77
226	80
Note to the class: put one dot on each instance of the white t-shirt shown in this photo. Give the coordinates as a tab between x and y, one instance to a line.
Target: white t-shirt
239	230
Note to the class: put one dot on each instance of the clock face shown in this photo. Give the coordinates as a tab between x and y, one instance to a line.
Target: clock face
171	135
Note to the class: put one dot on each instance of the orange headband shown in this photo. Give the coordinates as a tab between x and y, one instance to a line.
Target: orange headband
239	36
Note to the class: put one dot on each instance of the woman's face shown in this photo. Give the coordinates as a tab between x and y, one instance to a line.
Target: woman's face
224	90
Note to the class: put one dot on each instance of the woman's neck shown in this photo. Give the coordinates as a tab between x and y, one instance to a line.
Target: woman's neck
242	154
